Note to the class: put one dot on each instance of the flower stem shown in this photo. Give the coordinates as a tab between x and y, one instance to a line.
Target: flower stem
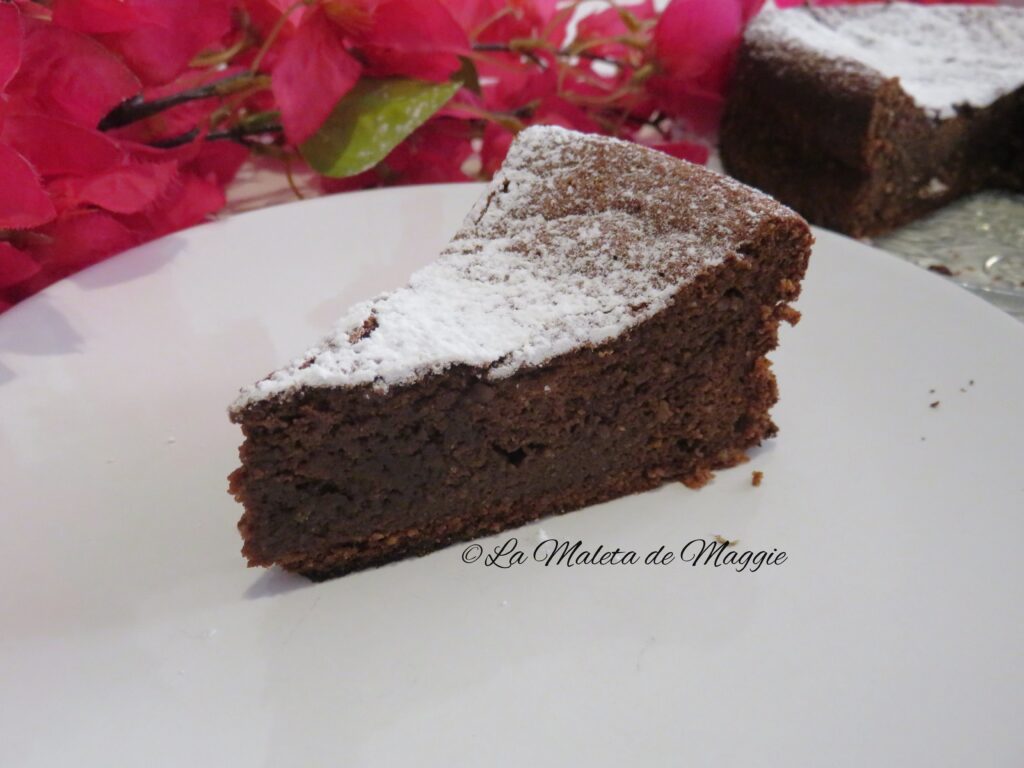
275	32
525	48
136	108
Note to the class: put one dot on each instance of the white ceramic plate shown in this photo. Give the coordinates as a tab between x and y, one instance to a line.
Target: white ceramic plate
133	634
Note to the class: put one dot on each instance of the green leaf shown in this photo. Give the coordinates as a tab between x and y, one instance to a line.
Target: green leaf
370	121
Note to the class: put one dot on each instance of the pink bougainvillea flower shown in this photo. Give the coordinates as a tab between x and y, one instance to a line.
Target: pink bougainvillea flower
10	42
314	71
143	153
698	109
59	147
190	200
66	74
365	180
684	150
78	239
750	8
498	21
433	154
169	35
218	161
353	17
98	16
512	85
695	44
598	30
124	189
23	201
695	40
496	141
555	111
16	266
415	38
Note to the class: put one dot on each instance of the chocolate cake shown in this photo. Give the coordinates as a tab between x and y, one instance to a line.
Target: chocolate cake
865	117
598	326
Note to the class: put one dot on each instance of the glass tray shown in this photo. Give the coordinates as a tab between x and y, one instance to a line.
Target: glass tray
978	242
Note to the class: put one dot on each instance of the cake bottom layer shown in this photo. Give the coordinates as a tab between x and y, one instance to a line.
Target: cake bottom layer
381	548
336	480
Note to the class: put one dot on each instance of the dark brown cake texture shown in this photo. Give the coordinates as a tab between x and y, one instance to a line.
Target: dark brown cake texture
597	327
865	117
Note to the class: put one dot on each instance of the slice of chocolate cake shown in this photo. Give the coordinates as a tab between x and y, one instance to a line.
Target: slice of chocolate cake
865	117
598	326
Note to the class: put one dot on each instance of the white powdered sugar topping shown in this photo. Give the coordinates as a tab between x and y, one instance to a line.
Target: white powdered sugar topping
576	240
944	55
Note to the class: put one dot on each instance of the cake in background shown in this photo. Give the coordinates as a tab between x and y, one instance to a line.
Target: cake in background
865	117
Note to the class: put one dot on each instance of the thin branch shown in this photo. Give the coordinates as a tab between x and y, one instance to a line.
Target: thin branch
136	108
289	175
240	133
176	141
527	51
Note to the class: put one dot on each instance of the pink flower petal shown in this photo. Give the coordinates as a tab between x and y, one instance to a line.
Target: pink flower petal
684	150
416	38
219	161
313	73
82	238
495	21
609	24
95	17
55	146
416	26
23	201
496	142
433	154
190	201
159	50
126	189
696	39
10	42
66	74
750	8
16	266
385	62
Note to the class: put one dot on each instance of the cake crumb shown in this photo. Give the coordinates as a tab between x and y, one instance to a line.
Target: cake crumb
789	315
698	479
934	405
722	540
756	477
942	269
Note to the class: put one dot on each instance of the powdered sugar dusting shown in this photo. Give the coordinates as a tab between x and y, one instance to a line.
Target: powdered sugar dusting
944	55
577	239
